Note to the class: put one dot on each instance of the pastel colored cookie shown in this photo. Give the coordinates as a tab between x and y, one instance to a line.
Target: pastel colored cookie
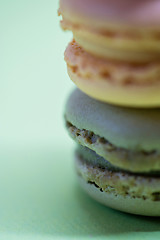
118	153
125	30
116	82
132	193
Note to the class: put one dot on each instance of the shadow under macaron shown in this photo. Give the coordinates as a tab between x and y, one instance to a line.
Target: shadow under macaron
106	221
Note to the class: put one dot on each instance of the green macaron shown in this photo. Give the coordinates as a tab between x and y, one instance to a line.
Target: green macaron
118	153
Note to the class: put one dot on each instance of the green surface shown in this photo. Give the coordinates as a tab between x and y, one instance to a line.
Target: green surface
41	200
39	197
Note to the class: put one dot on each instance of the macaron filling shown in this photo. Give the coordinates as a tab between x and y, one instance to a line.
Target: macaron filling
129	160
130	46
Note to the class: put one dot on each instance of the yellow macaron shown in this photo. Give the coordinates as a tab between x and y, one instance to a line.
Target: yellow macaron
111	81
115	54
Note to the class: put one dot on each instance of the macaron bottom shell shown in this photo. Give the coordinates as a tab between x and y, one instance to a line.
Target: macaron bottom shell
121	203
147	96
124	192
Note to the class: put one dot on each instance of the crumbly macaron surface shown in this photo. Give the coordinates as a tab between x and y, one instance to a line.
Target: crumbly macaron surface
119	183
87	66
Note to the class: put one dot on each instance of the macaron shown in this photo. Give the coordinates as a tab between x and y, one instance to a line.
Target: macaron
119	83
115	54
118	153
125	30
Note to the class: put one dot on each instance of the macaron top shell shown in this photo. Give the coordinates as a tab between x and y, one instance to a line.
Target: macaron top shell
136	13
129	128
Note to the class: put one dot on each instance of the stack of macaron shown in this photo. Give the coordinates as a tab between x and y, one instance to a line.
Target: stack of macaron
114	59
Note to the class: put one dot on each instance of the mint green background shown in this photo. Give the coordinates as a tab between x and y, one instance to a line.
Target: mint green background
39	196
